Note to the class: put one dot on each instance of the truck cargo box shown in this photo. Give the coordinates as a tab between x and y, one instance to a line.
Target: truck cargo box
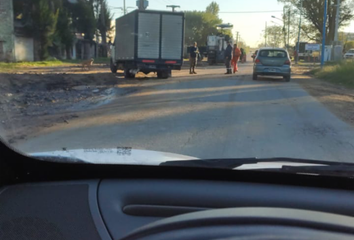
150	39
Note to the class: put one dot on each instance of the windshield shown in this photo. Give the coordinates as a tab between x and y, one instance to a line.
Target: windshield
145	82
273	54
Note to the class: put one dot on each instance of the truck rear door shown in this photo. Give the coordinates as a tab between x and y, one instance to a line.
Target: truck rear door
172	37
148	35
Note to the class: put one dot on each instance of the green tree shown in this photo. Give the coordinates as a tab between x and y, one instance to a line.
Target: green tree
213	8
201	24
84	18
44	18
104	22
313	14
193	27
274	36
64	36
348	45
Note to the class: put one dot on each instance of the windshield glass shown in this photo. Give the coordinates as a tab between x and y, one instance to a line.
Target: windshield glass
273	54
145	82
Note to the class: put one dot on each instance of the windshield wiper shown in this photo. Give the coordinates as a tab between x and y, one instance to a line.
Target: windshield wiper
60	159
309	166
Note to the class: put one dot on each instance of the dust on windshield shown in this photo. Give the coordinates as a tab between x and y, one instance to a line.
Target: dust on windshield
144	82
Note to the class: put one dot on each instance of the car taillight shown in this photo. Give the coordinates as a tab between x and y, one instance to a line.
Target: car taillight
257	61
287	62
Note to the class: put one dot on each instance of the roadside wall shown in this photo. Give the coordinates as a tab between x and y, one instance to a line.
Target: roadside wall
6	31
24	49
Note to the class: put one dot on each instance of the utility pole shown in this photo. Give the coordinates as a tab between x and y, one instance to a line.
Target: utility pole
265	35
124	8
337	22
173	7
324	33
142	4
298	36
237	33
289	13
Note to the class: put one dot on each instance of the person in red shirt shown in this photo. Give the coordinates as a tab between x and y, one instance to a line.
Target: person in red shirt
235	57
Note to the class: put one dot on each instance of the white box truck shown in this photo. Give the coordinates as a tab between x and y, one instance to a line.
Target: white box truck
148	41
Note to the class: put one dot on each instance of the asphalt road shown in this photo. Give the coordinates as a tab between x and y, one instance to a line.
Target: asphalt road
209	116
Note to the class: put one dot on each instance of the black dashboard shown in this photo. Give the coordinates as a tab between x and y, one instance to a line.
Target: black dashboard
114	208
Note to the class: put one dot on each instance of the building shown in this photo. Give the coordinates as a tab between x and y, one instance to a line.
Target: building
15	43
7	37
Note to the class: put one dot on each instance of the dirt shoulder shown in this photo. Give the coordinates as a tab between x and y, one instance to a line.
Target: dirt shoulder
37	98
338	99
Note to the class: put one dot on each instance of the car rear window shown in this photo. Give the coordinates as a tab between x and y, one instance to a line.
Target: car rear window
351	51
273	53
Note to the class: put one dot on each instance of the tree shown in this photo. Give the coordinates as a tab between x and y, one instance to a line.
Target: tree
84	19
44	18
348	45
200	25
274	36
313	14
104	23
213	9
193	28
63	37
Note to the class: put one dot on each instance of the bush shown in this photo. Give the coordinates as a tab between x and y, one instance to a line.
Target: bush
341	74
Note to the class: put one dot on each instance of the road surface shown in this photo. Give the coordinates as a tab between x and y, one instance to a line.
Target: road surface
209	116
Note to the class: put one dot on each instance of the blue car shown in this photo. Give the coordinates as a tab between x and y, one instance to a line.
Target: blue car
272	62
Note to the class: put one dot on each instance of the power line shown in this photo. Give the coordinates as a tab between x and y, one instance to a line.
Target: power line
270	11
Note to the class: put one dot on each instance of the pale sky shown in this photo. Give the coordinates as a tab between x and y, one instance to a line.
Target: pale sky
249	25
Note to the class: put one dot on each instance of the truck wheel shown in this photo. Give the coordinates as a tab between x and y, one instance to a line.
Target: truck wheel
127	74
254	77
114	67
163	74
287	78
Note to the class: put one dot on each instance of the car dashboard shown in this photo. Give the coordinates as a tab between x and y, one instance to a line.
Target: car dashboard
174	209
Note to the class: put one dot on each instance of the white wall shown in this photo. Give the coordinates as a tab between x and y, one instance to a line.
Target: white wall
24	49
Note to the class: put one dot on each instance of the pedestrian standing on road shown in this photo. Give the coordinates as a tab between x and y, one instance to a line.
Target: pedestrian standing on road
243	55
235	57
228	55
193	58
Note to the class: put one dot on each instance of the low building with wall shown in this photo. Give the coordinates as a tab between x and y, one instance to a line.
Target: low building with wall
7	37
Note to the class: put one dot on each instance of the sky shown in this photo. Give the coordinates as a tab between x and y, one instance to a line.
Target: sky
249	25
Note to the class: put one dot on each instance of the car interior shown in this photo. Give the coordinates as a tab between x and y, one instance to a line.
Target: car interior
72	201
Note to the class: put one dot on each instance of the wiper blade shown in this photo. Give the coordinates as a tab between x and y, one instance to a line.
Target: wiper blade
343	170
60	159
309	166
231	163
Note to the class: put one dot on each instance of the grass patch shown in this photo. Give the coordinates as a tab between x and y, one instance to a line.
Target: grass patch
20	65
341	74
100	60
8	67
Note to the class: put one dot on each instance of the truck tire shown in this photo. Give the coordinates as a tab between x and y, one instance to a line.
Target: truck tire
211	61
287	78
254	77
114	67
128	75
163	74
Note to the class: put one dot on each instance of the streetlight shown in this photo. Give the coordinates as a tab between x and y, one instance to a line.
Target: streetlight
173	7
277	18
124	10
283	28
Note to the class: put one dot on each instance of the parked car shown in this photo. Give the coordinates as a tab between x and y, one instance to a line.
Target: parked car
272	62
349	54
